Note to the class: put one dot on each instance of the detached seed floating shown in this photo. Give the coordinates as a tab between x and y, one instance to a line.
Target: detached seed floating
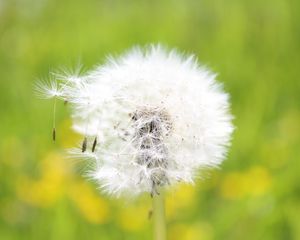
54	134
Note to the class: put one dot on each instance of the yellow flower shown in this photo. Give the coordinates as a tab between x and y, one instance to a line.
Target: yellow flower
46	190
196	231
183	196
91	205
133	217
255	182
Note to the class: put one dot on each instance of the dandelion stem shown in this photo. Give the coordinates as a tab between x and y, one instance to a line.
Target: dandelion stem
54	113
159	221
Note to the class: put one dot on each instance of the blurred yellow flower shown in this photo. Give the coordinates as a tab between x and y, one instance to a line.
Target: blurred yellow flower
196	231
133	217
255	182
50	187
90	204
55	182
200	230
176	231
183	196
260	180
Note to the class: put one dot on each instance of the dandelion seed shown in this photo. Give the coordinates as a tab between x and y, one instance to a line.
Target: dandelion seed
84	145
94	144
54	134
54	120
50	89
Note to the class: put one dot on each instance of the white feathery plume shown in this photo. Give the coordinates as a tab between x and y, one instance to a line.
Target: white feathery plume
150	118
48	89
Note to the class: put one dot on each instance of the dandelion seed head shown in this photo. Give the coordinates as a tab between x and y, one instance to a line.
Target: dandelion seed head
158	116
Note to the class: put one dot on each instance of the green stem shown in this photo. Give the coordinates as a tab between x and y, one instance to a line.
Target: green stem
159	220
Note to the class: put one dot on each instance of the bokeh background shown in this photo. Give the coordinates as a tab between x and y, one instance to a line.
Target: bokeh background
255	48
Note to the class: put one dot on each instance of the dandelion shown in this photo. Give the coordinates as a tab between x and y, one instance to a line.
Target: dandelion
153	118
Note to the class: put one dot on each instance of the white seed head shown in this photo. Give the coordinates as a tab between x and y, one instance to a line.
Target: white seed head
158	117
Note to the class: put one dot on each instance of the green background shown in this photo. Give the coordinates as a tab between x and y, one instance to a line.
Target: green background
254	46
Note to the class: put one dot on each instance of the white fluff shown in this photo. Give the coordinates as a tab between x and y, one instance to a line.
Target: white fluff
158	116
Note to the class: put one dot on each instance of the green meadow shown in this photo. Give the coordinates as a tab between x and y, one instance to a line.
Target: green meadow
254	46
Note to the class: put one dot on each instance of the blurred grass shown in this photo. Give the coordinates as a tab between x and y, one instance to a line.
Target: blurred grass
253	45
